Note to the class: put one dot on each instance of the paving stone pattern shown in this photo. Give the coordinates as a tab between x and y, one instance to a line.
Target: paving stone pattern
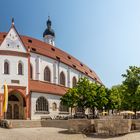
54	134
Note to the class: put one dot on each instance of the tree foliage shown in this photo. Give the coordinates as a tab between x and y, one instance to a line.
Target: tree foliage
115	97
93	95
101	97
86	92
70	98
86	95
131	85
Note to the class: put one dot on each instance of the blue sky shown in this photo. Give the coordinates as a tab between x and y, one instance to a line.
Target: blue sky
104	34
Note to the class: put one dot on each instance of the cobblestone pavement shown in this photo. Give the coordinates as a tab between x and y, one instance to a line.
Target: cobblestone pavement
54	134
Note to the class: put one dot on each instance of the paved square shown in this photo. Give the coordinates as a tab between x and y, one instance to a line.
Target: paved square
53	134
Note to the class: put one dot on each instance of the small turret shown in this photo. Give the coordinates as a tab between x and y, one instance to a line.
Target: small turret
49	34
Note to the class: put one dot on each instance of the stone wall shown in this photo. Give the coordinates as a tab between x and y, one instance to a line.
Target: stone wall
108	126
99	126
136	124
112	126
55	123
80	125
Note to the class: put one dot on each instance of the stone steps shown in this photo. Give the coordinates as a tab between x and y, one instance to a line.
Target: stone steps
25	123
34	123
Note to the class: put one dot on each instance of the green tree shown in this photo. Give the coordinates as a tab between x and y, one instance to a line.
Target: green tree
115	97
137	98
84	92
70	98
131	86
101	97
91	100
86	95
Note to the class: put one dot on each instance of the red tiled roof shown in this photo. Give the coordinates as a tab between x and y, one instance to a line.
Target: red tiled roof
46	87
42	48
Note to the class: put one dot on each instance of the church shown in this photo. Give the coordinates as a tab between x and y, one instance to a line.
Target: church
37	74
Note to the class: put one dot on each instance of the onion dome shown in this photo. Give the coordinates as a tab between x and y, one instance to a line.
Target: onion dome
49	31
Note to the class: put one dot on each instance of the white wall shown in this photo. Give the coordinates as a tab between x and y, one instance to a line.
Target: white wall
13	71
50	98
39	63
12	42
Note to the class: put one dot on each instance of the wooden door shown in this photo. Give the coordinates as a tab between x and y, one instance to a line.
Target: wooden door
15	111
9	112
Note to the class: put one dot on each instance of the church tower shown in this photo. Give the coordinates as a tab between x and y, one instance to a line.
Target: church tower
49	34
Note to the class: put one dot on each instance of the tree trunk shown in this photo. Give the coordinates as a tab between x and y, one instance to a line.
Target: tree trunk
112	111
135	113
83	110
71	112
93	111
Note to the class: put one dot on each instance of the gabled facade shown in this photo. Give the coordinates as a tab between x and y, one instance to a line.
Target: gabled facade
37	75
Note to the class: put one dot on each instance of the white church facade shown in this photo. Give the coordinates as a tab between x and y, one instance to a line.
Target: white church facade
38	74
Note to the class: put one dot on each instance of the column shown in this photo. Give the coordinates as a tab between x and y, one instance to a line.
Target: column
68	73
55	72
38	68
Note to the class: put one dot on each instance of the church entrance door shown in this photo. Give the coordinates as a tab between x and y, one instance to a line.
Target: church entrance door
15	108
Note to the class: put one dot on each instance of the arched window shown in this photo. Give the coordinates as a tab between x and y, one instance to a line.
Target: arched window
31	71
63	108
6	67
54	106
47	74
41	104
62	78
74	81
20	69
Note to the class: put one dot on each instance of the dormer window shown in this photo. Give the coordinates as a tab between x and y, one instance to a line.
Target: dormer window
57	57
69	57
29	40
33	49
86	73
4	36
74	66
53	49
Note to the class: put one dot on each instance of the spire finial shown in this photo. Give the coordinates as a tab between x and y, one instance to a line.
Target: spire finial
48	17
49	23
13	21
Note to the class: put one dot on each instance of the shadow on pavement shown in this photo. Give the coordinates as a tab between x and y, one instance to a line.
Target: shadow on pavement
95	135
66	132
